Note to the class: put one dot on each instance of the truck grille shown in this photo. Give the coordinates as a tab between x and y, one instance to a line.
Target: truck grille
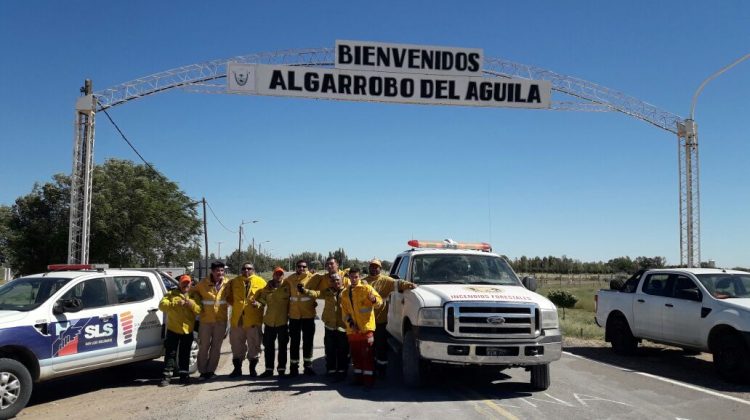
491	320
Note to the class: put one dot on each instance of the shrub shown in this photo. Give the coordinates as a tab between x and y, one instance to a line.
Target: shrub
562	299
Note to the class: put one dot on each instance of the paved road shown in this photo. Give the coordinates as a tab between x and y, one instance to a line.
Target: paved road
582	388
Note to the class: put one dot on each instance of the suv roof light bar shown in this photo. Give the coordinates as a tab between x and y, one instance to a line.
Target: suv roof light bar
451	244
76	267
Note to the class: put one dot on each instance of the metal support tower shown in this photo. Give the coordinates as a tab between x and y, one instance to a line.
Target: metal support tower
690	231
81	179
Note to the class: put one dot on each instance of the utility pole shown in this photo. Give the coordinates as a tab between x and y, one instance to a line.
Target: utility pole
239	246
205	234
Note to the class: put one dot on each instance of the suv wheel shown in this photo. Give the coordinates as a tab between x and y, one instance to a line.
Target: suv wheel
540	379
15	387
621	337
412	365
730	357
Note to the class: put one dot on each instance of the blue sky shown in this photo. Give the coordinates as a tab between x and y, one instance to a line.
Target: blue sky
367	177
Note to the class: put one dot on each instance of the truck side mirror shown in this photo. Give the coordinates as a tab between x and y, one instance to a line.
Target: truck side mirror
529	282
689	294
67	305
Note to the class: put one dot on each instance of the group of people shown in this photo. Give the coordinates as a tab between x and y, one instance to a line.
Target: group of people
278	313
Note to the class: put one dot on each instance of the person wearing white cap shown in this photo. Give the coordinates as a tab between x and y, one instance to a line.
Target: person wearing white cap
384	285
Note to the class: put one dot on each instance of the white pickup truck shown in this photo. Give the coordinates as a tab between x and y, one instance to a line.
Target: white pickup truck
469	308
65	322
698	309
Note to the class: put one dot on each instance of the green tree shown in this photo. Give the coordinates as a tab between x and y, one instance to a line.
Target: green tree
138	218
5	213
562	299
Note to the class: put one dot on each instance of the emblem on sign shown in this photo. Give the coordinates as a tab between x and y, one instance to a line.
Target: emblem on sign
240	78
496	320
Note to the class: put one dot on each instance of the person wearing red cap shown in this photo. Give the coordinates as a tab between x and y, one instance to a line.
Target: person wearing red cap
180	310
275	299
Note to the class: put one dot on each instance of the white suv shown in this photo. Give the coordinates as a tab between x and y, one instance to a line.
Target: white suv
64	322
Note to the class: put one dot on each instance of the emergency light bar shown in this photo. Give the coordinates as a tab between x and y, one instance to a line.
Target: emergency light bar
451	244
74	267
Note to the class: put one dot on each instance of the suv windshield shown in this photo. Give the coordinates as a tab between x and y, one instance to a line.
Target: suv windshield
464	269
25	294
725	286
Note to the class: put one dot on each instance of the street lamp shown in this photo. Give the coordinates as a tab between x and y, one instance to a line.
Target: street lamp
689	179
219	254
239	246
260	246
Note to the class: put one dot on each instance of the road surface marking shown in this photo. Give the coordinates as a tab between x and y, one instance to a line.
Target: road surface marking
489	403
669	381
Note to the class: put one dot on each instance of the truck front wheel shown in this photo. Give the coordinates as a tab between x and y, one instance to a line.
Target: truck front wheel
412	366
540	377
621	337
15	387
730	357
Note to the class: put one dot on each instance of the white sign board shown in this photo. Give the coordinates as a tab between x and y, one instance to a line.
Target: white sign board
404	58
378	86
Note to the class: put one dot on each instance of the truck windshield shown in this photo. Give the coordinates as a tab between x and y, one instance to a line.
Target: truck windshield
726	286
462	269
25	294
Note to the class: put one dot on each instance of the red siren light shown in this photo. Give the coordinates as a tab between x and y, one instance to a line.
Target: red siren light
450	244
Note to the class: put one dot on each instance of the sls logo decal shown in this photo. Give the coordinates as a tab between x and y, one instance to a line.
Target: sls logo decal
485	289
98	331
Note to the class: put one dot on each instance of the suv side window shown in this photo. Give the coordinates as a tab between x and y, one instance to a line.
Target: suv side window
403	269
656	284
133	289
681	284
92	293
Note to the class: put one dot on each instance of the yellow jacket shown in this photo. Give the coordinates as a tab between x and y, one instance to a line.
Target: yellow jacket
180	319
241	296
359	308
276	303
385	285
213	302
300	306
321	284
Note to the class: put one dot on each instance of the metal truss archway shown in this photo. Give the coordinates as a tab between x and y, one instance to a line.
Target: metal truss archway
577	95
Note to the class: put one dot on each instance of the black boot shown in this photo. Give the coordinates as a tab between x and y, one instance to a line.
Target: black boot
237	368
253	365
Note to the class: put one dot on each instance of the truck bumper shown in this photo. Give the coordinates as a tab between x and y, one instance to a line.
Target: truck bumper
437	346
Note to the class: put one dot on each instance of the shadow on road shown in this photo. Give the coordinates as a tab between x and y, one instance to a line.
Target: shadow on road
670	363
146	373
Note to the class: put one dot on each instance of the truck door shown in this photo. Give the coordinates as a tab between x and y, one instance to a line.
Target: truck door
648	306
88	336
682	312
140	321
396	299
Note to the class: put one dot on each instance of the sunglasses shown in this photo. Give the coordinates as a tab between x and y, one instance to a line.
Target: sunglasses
247	268
301	266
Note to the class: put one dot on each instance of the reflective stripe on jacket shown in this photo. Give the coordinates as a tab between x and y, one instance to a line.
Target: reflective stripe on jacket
359	308
276	302
241	295
180	319
213	303
300	306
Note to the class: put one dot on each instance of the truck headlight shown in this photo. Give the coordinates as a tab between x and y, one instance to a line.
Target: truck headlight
430	317
549	319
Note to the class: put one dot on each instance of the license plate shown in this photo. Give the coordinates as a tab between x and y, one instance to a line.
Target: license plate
498	351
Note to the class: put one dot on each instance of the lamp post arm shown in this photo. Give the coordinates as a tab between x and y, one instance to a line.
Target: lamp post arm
712	77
